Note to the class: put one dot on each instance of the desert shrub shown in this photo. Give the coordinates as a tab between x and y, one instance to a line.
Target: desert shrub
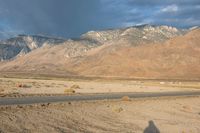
24	86
5	76
19	85
34	83
118	110
125	98
47	85
15	93
69	90
75	87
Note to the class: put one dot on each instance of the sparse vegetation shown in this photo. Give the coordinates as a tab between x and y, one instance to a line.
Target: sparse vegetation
118	110
75	87
15	93
47	85
24	86
70	90
43	86
125	98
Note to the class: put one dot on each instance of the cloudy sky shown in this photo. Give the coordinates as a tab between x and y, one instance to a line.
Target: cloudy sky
71	18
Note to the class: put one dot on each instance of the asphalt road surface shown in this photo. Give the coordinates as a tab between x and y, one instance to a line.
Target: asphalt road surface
52	99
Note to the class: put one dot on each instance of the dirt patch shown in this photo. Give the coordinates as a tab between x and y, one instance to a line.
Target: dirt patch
162	114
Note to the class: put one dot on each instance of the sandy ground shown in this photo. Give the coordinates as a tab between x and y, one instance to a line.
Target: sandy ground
167	115
38	86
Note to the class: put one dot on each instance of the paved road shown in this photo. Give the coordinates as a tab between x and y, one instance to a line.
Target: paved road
51	99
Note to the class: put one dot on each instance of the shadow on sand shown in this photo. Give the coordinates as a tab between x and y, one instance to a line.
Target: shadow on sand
151	128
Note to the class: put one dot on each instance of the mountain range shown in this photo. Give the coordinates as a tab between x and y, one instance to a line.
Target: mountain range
145	51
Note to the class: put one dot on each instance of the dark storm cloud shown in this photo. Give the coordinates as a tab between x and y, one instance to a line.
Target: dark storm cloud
65	18
70	18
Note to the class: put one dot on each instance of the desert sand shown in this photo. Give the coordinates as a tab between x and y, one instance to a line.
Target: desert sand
169	114
57	86
166	115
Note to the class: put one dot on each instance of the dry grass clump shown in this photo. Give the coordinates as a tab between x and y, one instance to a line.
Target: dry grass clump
118	110
70	90
125	98
24	86
48	86
75	87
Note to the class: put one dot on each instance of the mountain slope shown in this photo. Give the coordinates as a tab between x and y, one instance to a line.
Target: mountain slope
177	58
49	58
23	44
134	52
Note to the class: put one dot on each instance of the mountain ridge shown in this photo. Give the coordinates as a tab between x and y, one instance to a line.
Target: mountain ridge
173	56
178	57
23	44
